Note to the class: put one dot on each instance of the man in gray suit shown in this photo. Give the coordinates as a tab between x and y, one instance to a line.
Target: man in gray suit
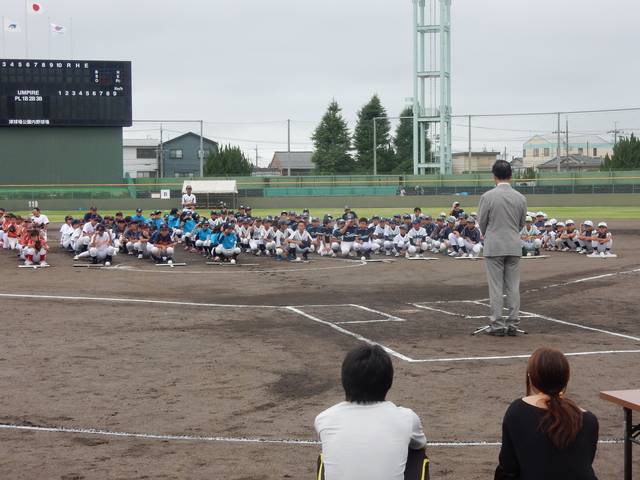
501	214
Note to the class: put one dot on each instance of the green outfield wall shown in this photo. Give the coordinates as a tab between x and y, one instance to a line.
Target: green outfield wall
57	155
279	203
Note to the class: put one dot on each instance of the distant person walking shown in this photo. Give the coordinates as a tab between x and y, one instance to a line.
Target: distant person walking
501	214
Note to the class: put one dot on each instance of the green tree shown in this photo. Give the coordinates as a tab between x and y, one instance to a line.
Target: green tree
403	143
332	142
228	160
626	155
363	138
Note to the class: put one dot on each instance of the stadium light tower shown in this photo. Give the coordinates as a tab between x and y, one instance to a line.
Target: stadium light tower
432	85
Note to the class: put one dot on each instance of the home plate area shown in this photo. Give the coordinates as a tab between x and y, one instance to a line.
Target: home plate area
440	332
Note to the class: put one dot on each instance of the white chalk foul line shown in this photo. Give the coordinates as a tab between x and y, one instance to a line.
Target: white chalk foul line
129	300
580	280
349	333
240	440
513	357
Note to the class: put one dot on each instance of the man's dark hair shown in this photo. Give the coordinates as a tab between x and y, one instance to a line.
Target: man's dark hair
502	170
367	374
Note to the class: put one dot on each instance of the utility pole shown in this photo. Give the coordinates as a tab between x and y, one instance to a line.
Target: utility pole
615	132
288	144
469	156
558	146
201	152
256	156
566	132
375	148
161	157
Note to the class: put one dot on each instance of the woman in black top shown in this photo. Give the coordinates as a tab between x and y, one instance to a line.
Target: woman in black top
546	436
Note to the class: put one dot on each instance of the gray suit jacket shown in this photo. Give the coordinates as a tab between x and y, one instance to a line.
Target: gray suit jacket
501	215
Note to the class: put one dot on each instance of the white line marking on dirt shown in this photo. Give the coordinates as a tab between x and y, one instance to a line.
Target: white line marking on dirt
129	300
133	269
577	325
579	280
381	320
439	310
351	334
513	357
240	440
367	309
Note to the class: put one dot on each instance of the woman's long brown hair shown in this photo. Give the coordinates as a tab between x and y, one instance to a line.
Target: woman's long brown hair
548	371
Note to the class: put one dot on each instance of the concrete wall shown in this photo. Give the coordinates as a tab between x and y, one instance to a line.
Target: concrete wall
279	203
60	155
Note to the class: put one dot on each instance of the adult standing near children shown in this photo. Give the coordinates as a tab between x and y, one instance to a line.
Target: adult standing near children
501	213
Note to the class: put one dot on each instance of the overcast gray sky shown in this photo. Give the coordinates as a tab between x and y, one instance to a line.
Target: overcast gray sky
234	61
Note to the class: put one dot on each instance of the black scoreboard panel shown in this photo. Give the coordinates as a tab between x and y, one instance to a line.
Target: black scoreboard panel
65	93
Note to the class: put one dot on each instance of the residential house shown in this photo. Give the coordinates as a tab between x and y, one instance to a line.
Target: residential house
292	163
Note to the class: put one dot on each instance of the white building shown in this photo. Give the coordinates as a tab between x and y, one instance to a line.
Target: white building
542	148
140	157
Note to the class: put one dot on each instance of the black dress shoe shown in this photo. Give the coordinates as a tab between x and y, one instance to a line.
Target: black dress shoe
512	332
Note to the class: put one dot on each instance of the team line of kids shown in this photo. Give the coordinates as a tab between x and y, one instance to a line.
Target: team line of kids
225	234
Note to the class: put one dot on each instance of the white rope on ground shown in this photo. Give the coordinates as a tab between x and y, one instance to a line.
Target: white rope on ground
240	440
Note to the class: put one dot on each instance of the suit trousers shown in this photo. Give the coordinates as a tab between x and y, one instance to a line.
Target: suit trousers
503	275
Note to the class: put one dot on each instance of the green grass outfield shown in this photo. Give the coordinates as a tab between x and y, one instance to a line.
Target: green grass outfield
561	213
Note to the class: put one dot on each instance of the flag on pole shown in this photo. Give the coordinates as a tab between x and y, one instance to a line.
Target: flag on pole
34	8
59	29
11	26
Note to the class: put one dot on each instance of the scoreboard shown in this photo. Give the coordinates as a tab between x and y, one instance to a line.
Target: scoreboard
41	93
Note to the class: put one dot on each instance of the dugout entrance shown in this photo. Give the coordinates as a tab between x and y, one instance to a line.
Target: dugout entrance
211	193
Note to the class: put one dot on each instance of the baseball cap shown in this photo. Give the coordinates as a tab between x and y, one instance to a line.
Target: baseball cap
138	210
560	224
471	220
602	224
570	222
347	207
588	223
406	216
548	224
403	226
553	221
451	219
540	214
416	222
528	219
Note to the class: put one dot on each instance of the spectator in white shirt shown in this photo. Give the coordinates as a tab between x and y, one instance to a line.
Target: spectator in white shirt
367	436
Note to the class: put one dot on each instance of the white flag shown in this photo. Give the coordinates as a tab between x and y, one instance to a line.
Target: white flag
11	26
59	29
34	8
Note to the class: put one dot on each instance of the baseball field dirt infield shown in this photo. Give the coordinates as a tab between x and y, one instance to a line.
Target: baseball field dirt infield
202	371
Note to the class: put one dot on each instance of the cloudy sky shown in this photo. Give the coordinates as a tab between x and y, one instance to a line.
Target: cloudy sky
245	66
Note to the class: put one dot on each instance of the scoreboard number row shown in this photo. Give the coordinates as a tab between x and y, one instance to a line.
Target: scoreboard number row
86	93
